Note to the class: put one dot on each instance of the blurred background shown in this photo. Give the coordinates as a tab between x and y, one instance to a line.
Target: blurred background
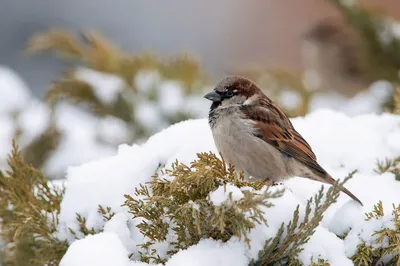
78	78
223	35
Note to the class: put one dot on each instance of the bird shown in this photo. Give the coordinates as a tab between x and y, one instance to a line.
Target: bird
254	134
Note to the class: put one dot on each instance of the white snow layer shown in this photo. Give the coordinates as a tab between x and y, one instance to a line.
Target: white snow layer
341	143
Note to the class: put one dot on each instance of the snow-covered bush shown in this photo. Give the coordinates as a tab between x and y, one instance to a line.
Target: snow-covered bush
146	92
169	200
92	213
185	204
111	98
129	98
54	140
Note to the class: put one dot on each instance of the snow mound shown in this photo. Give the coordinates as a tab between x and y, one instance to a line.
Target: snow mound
341	143
103	249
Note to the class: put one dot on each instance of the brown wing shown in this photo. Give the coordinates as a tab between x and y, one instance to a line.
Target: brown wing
273	126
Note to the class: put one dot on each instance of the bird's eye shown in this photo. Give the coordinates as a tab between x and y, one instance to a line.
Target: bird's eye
229	94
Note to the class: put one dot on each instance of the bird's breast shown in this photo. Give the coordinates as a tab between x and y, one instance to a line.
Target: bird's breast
234	138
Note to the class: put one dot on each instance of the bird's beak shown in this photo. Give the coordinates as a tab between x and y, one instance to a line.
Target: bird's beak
213	96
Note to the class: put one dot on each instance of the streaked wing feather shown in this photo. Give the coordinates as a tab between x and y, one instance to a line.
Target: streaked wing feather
275	128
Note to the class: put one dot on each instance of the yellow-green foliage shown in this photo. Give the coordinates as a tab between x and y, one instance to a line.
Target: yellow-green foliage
94	51
175	208
396	101
38	152
387	240
288	242
97	53
182	207
29	209
389	165
320	262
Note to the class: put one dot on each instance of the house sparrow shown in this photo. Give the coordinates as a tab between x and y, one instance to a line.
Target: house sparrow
334	59
254	134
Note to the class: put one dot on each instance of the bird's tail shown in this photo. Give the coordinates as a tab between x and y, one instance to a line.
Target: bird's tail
328	179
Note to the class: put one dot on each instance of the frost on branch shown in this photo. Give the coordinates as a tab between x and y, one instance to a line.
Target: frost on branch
179	206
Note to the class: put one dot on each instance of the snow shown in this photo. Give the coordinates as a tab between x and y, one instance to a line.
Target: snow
6	133
171	97
85	137
368	101
223	193
14	97
33	121
106	86
104	249
79	143
15	92
211	252
325	245
290	99
148	115
146	80
341	142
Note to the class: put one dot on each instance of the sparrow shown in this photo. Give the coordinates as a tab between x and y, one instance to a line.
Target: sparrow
332	52
254	134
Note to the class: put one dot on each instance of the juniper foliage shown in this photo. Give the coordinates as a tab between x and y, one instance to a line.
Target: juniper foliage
93	51
288	242
385	245
176	206
389	165
29	209
96	52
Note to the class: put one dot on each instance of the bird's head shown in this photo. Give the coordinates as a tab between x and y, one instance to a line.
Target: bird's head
233	90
